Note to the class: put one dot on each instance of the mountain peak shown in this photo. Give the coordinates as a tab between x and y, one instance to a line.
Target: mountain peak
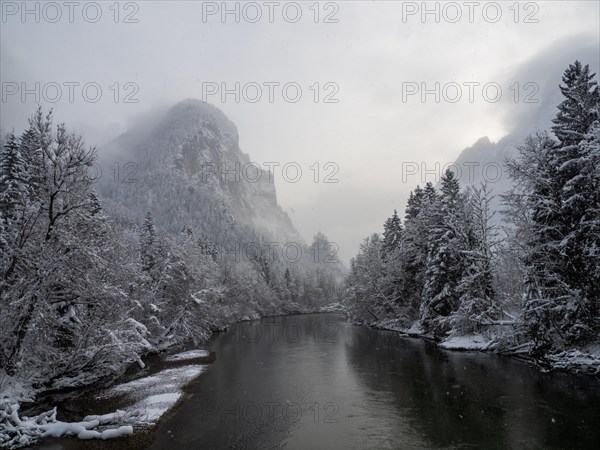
192	112
194	149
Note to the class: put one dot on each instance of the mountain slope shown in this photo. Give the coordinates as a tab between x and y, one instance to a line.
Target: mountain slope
186	165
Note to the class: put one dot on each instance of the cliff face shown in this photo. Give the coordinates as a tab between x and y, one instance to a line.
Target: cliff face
188	159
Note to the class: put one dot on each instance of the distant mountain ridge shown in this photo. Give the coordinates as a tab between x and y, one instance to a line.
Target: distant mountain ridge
546	71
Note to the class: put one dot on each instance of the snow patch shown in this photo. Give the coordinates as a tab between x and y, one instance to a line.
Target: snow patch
467	342
167	379
16	432
150	398
170	397
576	361
13	390
191	354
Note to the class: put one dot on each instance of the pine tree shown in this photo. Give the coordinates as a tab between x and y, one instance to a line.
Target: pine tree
34	143
392	234
95	205
561	291
17	215
445	263
579	110
557	182
590	222
430	194
413	258
571	161
14	178
148	243
534	175
413	204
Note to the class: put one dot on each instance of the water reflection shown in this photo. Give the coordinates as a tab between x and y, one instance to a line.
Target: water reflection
468	399
316	381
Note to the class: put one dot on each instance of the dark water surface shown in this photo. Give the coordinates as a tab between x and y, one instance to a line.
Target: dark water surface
316	381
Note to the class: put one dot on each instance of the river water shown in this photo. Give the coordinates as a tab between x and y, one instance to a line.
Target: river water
316	381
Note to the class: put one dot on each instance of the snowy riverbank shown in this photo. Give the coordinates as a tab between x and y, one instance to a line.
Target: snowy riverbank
139	404
578	361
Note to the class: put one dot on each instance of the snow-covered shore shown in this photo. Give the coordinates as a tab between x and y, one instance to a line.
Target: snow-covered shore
141	403
578	361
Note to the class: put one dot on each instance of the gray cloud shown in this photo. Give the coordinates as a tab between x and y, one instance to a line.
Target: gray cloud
170	52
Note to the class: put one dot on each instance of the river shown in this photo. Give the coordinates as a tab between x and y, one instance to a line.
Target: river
317	381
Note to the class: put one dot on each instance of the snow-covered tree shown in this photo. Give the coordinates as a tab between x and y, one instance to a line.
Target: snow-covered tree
60	305
367	301
478	305
14	179
445	261
579	110
557	182
419	211
149	245
392	234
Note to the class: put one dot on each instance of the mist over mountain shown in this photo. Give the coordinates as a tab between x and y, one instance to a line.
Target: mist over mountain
169	172
485	160
185	164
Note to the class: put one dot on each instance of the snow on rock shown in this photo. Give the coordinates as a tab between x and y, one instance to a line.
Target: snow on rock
126	430
467	342
17	432
58	429
575	361
192	354
116	417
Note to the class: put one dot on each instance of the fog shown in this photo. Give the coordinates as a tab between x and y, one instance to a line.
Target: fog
367	58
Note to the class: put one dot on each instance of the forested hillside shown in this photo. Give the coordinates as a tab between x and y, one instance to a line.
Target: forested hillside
531	287
105	261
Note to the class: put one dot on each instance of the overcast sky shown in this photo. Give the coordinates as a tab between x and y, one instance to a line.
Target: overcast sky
374	53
